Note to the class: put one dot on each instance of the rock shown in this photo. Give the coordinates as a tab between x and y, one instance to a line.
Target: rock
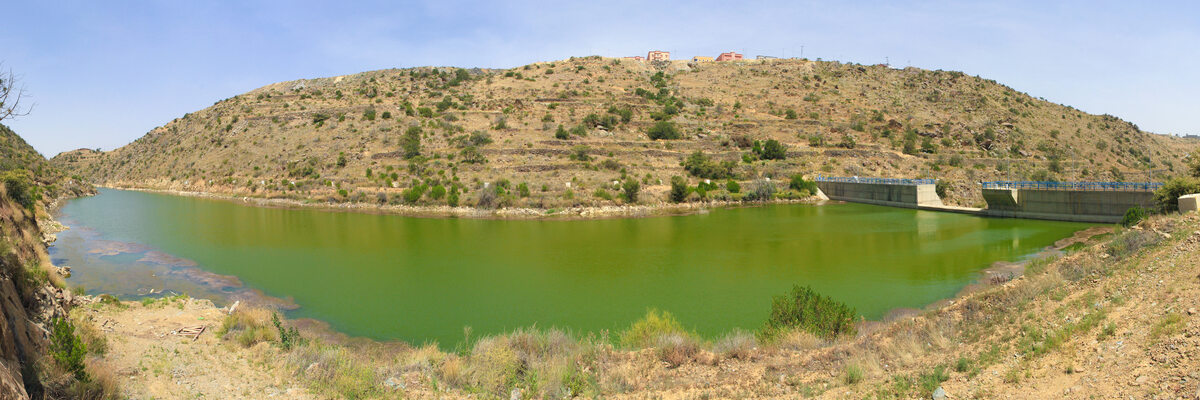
391	382
515	395
1141	380
940	394
1192	311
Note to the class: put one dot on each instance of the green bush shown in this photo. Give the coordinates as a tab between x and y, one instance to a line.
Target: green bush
369	115
663	130
942	189
807	310
679	189
1132	216
1167	197
66	348
20	188
411	142
646	331
561	133
452	198
772	150
732	186
288	337
630	190
799	184
702	166
438	192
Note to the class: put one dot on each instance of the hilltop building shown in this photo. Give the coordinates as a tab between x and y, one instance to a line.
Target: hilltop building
658	55
636	58
701	58
730	56
766	57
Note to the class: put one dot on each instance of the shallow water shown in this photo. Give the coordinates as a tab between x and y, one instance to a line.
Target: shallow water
421	280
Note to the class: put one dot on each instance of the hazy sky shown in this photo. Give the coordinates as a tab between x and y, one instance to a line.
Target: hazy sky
103	73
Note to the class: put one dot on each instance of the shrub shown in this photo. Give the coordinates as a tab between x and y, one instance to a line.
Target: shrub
452	198
807	310
701	165
413	194
732	186
288	337
580	153
247	326
20	188
369	114
488	198
675	349
1130	242
799	184
600	193
737	344
852	374
773	150
437	192
629	190
1167	197
1132	216
663	130
561	133
646	331
341	160
790	114
471	155
942	189
679	189
411	142
68	351
761	190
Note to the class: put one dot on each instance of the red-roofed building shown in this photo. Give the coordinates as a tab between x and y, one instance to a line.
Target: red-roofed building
730	56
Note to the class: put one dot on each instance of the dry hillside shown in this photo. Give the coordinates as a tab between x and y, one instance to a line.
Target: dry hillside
352	138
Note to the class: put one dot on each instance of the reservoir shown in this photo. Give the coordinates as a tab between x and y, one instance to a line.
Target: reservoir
422	280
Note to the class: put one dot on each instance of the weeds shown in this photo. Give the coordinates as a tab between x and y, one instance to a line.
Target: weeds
810	311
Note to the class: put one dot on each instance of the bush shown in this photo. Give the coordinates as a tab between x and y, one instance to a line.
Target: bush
452	198
438	192
942	189
732	186
663	130
1167	197
580	153
679	189
630	190
523	190
799	184
288	337
675	349
645	332
853	374
702	166
773	150
66	348
369	115
1133	216
809	311
762	190
737	344
561	133
411	142
20	188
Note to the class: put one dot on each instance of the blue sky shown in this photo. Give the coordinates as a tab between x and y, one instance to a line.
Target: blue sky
104	73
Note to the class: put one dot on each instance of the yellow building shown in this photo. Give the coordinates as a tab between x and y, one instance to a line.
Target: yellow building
701	58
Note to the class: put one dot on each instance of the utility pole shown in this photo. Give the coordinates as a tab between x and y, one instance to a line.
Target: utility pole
801	51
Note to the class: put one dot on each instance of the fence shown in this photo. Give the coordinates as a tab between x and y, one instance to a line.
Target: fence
1096	186
884	181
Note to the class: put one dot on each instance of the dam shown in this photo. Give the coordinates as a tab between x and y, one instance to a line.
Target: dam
1096	202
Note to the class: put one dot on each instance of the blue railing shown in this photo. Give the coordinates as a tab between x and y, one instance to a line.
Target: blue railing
1097	186
884	181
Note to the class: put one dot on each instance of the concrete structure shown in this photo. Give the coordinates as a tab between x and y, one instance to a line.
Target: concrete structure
701	58
658	55
896	193
1189	203
1104	206
761	57
730	56
636	58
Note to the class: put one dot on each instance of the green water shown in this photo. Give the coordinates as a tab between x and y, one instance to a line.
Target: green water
419	280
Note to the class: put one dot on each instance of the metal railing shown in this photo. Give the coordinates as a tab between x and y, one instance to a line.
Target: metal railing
1096	186
883	181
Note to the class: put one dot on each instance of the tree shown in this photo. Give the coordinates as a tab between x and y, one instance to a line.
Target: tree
679	189
11	95
631	188
773	150
663	130
411	142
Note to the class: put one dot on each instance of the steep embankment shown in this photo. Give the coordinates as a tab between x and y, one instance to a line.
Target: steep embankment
429	136
32	295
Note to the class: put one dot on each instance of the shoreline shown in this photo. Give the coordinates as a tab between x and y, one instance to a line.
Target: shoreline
517	213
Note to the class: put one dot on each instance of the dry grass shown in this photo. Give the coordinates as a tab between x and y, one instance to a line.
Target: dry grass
248	326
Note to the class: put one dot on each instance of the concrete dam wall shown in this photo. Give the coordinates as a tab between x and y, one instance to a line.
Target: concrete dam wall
886	194
1064	205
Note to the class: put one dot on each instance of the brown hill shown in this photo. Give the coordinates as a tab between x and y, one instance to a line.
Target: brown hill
344	138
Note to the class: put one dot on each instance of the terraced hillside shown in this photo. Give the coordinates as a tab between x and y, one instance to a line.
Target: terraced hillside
577	132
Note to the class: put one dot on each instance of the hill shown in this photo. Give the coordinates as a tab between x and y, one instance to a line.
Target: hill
571	133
